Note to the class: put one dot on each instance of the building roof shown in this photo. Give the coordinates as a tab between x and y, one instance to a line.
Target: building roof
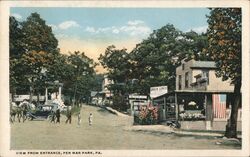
203	64
194	92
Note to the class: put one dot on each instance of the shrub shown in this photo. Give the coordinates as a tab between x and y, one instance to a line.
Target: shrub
148	115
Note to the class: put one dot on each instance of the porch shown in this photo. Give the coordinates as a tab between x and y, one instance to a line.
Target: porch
195	107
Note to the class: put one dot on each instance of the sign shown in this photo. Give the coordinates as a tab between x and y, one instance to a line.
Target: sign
137	97
19	98
158	91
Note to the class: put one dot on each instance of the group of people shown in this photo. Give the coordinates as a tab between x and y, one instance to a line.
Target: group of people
55	117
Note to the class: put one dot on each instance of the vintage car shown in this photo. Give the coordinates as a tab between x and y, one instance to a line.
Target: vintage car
42	112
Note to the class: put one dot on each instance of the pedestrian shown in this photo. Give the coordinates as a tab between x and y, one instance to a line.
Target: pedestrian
90	119
79	119
52	117
58	116
69	115
24	112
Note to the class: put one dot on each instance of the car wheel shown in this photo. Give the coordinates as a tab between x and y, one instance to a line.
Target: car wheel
30	118
49	118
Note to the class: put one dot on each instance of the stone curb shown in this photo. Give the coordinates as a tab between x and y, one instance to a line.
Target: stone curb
169	130
116	112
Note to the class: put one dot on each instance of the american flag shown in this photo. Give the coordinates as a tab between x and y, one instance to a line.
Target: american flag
219	105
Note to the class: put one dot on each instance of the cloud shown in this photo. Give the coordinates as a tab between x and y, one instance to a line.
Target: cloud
90	29
54	27
100	30
68	24
61	36
115	31
135	22
132	28
17	16
136	30
199	30
136	27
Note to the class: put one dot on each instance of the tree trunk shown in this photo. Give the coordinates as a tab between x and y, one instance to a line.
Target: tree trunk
231	127
38	97
31	93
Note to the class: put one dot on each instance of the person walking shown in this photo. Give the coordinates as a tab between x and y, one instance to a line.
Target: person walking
58	116
52	117
24	111
79	119
69	116
90	119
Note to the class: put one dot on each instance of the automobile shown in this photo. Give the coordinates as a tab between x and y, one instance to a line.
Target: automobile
42	112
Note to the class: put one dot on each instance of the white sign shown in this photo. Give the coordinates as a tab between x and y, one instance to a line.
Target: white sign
27	97
137	97
158	91
21	97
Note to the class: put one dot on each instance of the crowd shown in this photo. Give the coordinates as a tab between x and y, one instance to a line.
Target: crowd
55	117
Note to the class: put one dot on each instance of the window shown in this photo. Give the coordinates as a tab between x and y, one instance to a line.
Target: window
205	74
186	80
179	82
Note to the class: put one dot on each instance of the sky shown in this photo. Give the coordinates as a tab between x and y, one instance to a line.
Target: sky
92	30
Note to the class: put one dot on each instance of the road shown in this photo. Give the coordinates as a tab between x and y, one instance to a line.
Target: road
107	132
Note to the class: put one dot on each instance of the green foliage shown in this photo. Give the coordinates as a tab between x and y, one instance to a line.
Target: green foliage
224	37
224	40
82	79
152	62
38	36
32	44
117	63
156	58
119	103
15	38
16	51
74	111
35	60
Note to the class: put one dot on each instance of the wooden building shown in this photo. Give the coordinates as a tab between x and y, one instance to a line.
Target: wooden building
199	95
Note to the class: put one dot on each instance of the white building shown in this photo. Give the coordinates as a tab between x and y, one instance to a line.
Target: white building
200	76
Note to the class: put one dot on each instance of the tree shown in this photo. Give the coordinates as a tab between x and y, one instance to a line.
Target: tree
156	58
153	58
118	65
153	61
16	51
40	45
194	45
38	35
35	62
224	38
117	62
32	46
82	76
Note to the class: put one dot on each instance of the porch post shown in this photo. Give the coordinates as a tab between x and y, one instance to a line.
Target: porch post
60	92
46	94
176	107
209	111
164	108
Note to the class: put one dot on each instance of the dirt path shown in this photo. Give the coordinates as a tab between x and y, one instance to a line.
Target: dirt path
107	132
